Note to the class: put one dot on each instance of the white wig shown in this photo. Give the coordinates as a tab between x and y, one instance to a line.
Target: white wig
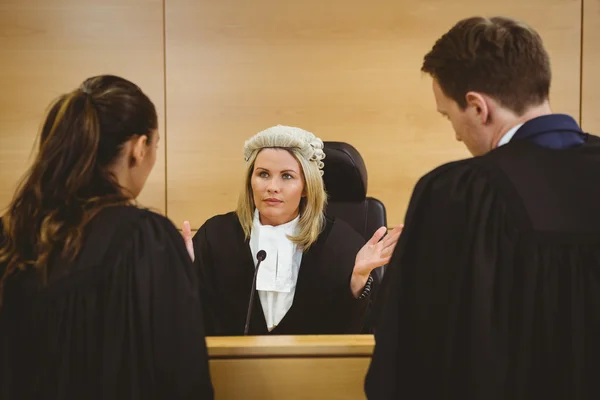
307	144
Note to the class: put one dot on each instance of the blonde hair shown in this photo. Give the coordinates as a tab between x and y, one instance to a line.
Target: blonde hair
308	150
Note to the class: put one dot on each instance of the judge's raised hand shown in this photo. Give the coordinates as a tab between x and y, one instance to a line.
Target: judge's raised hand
376	252
187	237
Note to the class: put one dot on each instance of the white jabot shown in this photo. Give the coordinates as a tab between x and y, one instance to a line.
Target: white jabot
278	273
509	135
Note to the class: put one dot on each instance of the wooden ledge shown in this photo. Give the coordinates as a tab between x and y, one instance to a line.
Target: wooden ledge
290	346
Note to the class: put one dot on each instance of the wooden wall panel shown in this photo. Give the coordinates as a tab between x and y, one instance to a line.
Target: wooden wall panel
344	69
49	47
590	96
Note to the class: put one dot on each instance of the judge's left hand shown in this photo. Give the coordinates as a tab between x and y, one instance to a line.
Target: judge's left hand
374	254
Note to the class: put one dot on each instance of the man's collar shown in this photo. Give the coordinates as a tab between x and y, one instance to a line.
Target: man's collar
508	135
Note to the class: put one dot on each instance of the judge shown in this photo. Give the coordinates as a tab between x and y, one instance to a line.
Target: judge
316	277
99	299
494	290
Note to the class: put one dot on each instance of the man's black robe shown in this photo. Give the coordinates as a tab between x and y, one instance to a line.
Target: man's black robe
494	289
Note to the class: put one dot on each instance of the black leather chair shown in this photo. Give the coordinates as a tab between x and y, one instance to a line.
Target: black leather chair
345	178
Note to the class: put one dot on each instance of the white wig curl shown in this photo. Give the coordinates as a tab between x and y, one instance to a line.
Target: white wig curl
288	137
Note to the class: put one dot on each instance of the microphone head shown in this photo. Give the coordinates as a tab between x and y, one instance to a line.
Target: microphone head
261	255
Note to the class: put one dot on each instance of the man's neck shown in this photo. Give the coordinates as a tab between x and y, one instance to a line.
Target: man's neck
510	120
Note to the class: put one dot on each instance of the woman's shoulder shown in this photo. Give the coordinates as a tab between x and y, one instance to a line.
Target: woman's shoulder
338	232
219	229
121	215
119	226
222	222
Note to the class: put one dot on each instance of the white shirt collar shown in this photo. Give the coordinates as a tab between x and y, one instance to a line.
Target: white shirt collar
278	273
275	272
509	135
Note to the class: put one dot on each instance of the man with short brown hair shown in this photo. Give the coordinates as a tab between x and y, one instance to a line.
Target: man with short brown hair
493	291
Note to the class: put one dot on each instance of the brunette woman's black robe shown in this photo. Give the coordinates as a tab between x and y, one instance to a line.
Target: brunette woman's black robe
121	322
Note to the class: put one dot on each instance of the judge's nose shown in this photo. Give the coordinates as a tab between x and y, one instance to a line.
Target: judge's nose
273	186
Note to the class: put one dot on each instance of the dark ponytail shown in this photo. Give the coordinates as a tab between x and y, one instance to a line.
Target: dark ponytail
69	181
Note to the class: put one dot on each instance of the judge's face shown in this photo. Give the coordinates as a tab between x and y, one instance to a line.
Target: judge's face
467	123
277	186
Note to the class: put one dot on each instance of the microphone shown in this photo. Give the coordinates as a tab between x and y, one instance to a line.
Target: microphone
260	256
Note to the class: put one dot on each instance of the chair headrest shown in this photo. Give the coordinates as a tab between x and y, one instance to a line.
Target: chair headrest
344	173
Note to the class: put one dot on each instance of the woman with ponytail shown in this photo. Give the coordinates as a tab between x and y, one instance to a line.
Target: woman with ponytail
98	298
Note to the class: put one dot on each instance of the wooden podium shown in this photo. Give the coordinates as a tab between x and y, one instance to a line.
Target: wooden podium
290	367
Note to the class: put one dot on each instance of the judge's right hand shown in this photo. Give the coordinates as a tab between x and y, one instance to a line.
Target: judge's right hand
187	237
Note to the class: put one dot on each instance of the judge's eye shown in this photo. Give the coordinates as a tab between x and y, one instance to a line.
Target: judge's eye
287	176
263	174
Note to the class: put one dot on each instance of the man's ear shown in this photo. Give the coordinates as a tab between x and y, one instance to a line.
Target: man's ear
139	148
478	106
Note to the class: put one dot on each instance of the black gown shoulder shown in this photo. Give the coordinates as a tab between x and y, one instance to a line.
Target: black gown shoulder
123	321
493	290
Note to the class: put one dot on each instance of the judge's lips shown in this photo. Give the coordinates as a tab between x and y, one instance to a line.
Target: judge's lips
272	201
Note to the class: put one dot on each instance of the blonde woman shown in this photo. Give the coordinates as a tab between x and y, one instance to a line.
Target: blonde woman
316	277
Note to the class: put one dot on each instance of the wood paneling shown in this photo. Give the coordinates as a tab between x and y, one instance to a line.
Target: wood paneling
304	378
290	346
590	96
49	47
346	70
290	367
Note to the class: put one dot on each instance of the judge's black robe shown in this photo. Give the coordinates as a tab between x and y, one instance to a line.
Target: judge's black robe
323	302
494	287
121	322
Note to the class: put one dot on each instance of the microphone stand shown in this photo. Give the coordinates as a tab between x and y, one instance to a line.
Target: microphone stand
260	256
